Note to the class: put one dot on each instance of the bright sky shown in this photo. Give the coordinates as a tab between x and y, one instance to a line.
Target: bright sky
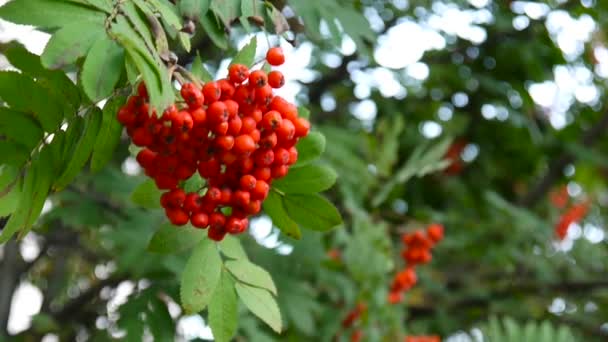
399	52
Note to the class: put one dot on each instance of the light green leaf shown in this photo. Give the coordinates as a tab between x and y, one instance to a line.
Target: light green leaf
303	112
312	212
20	127
247	54
275	208
232	248
308	179
147	195
83	150
104	5
102	68
70	43
49	13
252	274
172	239
262	304
310	148
168	13
226	10
141	25
193	9
248	8
109	134
22	93
199	70
200	277
223	310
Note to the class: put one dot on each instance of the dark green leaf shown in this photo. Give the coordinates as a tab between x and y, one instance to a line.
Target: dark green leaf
223	313
12	153
49	13
312	212
200	277
247	54
172	239
141	25
168	13
159	320
274	207
252	274
24	94
102	68
308	179
262	304
214	30
147	195
20	127
70	43
109	134
83	149
310	148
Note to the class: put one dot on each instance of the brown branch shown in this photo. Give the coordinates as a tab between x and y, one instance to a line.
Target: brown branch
553	174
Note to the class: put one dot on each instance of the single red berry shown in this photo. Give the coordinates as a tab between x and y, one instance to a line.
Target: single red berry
232	107
224	142
177	216
241	198
176	198
276	79
247	182
199	117
166	182
235	125
221	128
216	233
248	124
214	194
192	95
254	207
226	196
193	202
281	156
146	158
286	130
217	112
246	164
238	73
244	144
141	137
435	232
200	220
226	88
243	95
126	117
255	135
293	155
258	79
264	157
263	95
236	225
279	171
257	115
262	173
212	92
275	56
217	220
302	127
209	168
271	120
185	171
260	191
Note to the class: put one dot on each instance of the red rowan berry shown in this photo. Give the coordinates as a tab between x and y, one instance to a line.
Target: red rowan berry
238	73
275	56
199	220
211	92
276	79
258	78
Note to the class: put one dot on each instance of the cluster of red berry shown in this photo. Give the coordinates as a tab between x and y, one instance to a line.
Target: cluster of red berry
234	132
351	318
574	214
418	251
433	338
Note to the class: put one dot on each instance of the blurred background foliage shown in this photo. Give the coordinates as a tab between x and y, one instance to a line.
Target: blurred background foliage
513	92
